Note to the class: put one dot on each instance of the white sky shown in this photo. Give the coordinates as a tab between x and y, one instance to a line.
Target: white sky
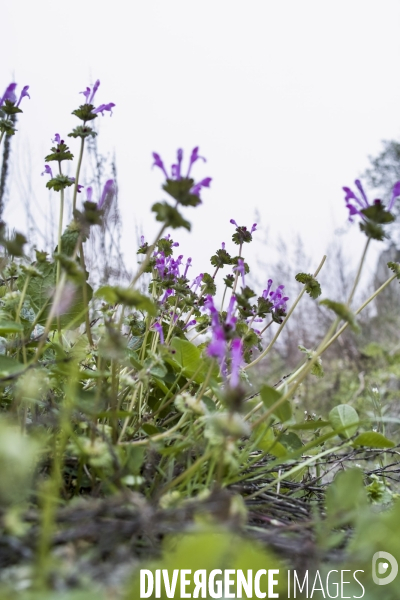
285	99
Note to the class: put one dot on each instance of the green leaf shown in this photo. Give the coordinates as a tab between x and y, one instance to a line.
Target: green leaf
344	420
342	311
84	112
179	189
169	215
10	327
7	127
188	357
128	297
15	244
312	286
269	396
291	441
373	230
317	424
378	214
10	108
59	182
395	267
60	152
82	131
316	369
9	366
373	439
208	283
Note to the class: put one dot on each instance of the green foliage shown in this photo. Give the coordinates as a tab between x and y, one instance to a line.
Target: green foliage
312	286
84	112
179	189
59	182
343	312
316	369
270	396
373	439
344	420
169	215
82	131
127	297
59	153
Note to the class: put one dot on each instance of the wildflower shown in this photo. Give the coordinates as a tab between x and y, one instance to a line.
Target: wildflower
242	234
197	281
10	95
176	174
236	361
357	204
240	268
188	264
158	328
48	171
107	194
167	293
89	94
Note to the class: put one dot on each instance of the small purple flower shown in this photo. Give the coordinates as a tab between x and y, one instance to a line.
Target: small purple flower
176	173
217	347
236	361
23	94
266	292
48	171
194	156
197	281
57	139
254	226
89	193
192	322
158	327
10	95
104	107
89	97
188	264
108	194
230	319
167	293
240	268
355	204
80	187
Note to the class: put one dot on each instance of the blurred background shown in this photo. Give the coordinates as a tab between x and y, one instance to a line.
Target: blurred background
286	101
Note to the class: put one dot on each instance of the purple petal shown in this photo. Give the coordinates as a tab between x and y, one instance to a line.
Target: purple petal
86	93
157	326
395	194
104	107
108	193
194	156
24	93
89	193
57	139
254	227
9	94
159	163
95	88
197	187
234	222
237	358
48	171
360	187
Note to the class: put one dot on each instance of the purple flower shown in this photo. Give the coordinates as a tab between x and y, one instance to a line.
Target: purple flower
104	107
188	264
89	97
57	139
48	171
89	94
230	319
176	173
276	297
240	268
10	95
254	226
158	327
108	194
167	293
197	281
23	94
355	204
194	156
89	193
236	361
217	347
192	322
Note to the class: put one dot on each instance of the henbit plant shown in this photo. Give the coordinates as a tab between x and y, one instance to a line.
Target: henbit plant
152	392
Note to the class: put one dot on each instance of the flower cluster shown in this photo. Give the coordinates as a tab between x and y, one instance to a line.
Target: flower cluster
357	204
11	97
180	191
90	93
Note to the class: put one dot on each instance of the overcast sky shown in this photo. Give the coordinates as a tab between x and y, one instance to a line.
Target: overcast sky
285	99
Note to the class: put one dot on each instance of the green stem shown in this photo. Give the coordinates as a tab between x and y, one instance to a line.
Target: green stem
357	279
78	170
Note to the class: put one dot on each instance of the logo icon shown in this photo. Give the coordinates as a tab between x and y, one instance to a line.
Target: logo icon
385	559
